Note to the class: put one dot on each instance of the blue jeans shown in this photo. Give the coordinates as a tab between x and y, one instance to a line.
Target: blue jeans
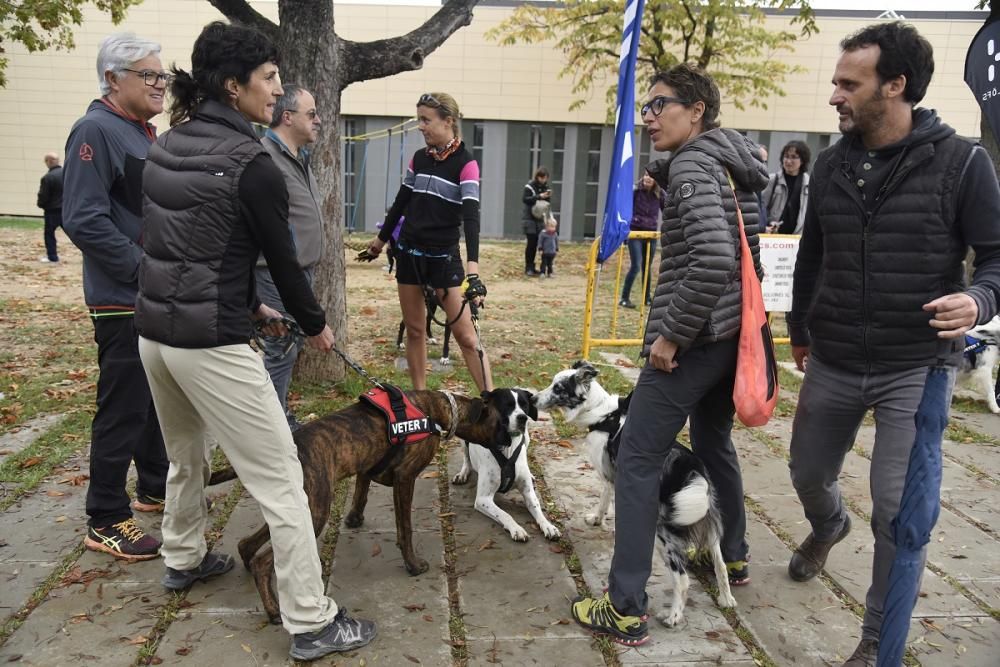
639	252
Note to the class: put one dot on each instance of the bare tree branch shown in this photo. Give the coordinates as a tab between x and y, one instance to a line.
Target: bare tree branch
360	61
239	11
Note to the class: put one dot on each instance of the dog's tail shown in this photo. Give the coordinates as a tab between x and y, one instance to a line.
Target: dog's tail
691	503
220	476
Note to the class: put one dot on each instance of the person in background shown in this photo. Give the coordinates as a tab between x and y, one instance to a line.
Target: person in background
787	193
439	198
295	125
535	190
102	215
50	201
203	235
548	245
648	202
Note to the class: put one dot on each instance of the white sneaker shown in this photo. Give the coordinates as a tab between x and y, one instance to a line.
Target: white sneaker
46	260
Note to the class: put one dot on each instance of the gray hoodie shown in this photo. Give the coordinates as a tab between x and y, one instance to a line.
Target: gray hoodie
697	298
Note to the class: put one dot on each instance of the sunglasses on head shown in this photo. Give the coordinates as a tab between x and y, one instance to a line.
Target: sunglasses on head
428	100
657	104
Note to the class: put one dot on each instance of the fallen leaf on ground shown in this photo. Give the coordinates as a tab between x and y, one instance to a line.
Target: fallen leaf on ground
430	474
376	549
31	461
415	606
565	443
137	640
183	650
428	618
55	494
247	648
488	544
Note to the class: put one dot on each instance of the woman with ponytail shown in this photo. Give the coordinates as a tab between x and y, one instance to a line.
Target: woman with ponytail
213	201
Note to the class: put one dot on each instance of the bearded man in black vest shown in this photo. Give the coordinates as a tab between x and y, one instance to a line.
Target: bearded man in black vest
879	289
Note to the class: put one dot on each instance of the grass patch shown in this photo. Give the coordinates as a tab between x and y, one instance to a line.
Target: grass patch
29	467
14	622
33	224
963	434
456	619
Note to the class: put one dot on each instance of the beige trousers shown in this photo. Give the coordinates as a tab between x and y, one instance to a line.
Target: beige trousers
226	392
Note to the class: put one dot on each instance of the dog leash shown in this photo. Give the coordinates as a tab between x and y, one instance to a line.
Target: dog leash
295	333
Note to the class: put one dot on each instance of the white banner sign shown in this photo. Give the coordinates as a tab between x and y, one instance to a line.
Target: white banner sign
777	256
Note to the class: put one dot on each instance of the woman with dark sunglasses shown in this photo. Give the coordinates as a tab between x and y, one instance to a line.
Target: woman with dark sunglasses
690	341
439	198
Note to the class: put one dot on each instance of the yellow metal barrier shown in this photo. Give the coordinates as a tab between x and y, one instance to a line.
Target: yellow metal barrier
593	270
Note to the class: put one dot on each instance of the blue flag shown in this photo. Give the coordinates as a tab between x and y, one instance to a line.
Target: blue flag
618	206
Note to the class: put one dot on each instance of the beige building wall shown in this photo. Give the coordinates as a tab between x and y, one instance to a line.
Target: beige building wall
47	92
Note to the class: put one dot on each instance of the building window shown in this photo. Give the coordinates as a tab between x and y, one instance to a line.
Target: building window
642	155
535	152
478	141
556	172
351	177
593	181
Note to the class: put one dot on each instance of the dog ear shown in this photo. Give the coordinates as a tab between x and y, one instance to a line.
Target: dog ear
532	410
585	372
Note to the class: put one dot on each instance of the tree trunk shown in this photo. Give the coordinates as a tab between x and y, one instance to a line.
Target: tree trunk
309	52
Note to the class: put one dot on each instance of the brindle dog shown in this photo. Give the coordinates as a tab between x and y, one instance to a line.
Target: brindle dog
351	442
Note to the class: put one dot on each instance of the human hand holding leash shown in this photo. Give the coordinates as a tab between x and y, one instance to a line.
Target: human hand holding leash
373	250
476	291
273	325
322	341
954	314
662	354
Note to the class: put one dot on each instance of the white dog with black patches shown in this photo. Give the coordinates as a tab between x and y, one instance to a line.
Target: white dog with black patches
688	515
503	463
982	351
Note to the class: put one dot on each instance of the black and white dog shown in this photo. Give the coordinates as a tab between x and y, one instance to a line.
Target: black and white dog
982	351
688	514
503	463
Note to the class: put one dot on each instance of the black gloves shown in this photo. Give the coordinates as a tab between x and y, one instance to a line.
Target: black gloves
476	287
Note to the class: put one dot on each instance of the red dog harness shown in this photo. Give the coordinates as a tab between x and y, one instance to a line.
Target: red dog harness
406	423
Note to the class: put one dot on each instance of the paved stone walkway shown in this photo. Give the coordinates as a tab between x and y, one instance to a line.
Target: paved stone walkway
489	600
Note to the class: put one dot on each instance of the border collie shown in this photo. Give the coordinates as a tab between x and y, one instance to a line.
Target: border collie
688	513
503	463
982	351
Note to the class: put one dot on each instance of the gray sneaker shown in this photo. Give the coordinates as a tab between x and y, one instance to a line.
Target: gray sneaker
343	633
212	565
864	655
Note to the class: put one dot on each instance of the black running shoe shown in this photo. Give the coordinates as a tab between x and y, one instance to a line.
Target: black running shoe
343	633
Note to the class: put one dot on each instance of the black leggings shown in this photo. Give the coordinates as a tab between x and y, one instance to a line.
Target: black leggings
529	253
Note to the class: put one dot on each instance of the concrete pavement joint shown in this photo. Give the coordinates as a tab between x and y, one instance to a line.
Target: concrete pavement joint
555	514
331	535
168	612
456	622
16	620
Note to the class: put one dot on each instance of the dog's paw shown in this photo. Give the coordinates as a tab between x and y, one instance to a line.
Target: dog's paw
274	619
353	520
518	534
670	618
551	532
432	340
727	600
995	409
444	361
418	566
461	478
594	519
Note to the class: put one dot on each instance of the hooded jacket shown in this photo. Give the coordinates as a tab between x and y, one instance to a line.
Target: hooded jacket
866	266
697	298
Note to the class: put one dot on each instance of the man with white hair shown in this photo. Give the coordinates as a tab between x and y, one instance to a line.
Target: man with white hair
102	215
295	125
50	201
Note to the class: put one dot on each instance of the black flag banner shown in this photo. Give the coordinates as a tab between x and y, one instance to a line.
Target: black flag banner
982	68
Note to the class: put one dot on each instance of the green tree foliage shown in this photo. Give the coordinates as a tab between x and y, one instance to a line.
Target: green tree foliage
46	24
728	38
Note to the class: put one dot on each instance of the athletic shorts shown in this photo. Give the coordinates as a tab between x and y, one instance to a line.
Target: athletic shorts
437	269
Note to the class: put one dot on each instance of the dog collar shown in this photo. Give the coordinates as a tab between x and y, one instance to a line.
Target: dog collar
453	426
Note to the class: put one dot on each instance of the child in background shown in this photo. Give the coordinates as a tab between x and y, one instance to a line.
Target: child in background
548	244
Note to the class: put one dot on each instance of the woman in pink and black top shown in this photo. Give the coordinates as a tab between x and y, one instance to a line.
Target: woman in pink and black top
440	198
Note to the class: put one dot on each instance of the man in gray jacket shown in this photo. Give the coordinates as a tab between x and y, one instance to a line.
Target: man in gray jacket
295	125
